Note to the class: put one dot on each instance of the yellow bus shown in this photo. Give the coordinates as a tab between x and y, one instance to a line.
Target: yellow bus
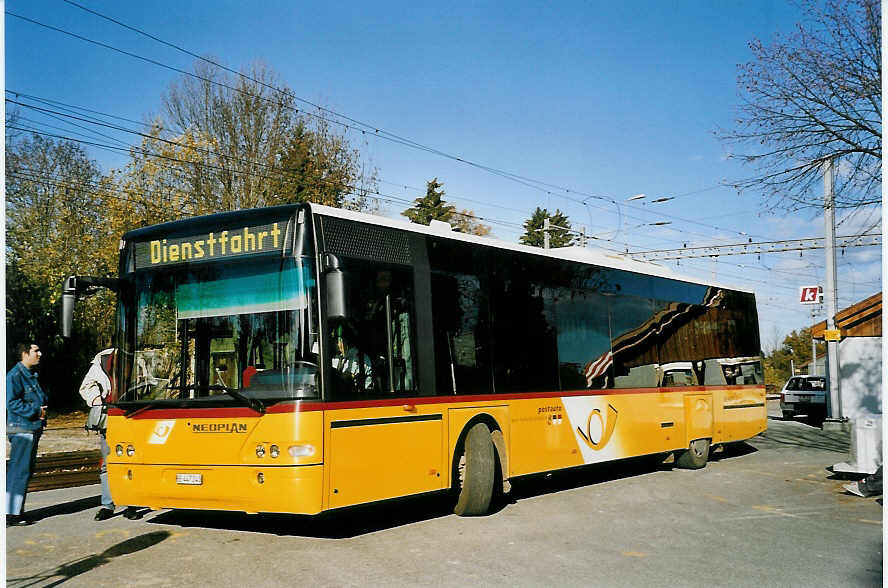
301	358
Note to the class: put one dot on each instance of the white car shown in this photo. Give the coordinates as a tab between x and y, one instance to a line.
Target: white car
804	395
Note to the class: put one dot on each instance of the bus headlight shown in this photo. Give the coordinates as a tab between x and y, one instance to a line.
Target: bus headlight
118	450
303	450
130	451
260	450
274	451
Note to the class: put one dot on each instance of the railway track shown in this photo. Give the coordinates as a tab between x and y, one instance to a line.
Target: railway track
65	469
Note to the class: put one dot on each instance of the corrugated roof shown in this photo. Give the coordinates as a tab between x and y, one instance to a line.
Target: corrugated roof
863	319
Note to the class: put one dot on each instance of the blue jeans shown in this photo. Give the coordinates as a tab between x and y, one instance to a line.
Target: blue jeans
22	458
103	473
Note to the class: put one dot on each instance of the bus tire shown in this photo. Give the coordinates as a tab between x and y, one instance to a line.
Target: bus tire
475	472
695	456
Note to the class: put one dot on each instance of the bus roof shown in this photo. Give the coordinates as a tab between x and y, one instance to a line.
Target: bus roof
209	221
598	257
581	254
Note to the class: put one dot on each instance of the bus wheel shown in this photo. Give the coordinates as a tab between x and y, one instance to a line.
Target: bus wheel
695	456
475	473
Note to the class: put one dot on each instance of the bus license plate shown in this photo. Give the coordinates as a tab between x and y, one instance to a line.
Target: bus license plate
189	479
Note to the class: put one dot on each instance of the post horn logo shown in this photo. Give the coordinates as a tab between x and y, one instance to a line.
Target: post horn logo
599	429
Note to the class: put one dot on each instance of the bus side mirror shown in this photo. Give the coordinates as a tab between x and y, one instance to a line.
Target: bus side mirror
75	286
69	297
334	284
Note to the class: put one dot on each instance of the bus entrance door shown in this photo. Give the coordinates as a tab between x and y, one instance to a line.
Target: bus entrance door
380	455
698	416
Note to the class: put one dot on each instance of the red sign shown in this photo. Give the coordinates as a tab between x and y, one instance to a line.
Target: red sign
810	295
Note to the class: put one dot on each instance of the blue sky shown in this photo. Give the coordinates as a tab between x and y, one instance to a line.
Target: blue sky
606	99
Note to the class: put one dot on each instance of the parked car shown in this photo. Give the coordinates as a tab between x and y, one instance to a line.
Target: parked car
804	395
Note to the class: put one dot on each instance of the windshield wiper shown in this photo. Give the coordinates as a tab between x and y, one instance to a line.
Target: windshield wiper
248	401
251	402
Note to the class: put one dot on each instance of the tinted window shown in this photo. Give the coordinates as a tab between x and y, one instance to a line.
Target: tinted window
584	351
634	328
460	315
677	291
525	343
372	352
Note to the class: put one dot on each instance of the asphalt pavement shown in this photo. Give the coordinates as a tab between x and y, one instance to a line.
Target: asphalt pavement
765	513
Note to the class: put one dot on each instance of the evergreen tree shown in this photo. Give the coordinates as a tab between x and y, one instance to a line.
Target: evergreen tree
559	234
430	207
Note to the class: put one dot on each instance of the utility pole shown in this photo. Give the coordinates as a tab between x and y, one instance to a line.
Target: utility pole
831	292
546	233
813	371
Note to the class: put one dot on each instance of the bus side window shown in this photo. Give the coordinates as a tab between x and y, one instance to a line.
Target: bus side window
633	324
460	317
525	343
380	327
460	334
584	351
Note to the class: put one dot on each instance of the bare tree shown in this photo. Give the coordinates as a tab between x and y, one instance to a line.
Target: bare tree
810	96
242	143
465	221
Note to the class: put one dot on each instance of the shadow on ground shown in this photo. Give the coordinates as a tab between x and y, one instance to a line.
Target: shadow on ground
71	569
799	434
64	508
339	524
360	520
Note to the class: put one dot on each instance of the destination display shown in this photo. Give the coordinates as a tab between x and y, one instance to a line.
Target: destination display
214	245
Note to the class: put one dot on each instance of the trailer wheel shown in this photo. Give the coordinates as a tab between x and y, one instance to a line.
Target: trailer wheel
475	472
695	456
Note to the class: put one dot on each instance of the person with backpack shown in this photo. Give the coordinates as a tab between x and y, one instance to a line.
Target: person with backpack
96	391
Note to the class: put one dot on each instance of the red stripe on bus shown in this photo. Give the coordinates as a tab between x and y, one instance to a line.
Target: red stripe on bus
311	406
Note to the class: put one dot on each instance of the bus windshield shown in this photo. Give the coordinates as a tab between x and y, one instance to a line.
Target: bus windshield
242	330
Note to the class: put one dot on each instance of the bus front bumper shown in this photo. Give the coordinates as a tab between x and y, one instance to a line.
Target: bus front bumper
252	489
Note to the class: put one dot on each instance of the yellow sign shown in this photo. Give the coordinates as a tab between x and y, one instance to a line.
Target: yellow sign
832	334
213	245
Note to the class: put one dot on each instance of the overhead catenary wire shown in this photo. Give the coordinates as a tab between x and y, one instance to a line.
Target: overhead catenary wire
372	194
546	187
146	152
205	150
648	211
745	279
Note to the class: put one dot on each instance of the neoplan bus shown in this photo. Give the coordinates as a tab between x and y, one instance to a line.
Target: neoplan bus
301	358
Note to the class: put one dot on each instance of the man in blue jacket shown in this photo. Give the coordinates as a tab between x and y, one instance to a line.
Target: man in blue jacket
25	419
